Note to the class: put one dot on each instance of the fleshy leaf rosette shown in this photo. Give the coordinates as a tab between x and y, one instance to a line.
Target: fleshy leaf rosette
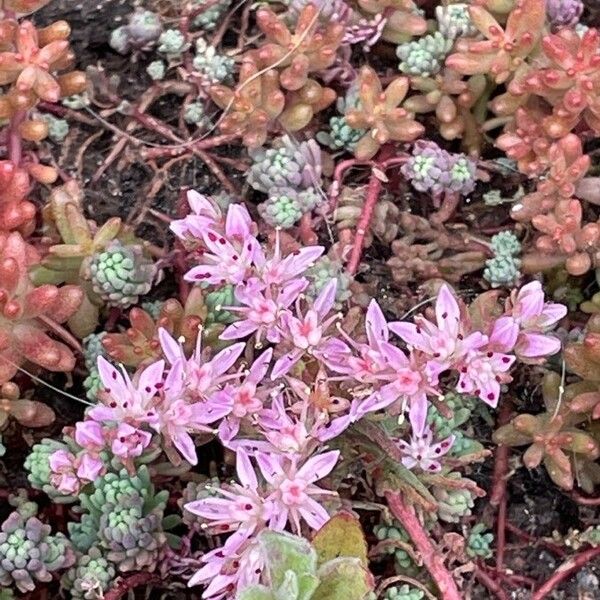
26	312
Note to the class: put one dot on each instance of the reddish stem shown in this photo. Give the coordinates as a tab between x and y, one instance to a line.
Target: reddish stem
584	500
130	583
431	558
498	493
372	196
565	571
490	584
556	549
15	147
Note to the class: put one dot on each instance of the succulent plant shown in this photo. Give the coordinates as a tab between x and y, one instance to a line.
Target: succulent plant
216	300
29	554
461	407
212	66
208	19
172	42
83	533
478	542
157	70
58	129
432	169
502	271
285	206
563	13
28	311
424	57
454	21
296	571
29	413
556	437
38	465
195	114
328	9
128	515
322	272
380	115
90	577
506	243
121	273
403	592
252	106
404	19
395	533
453	504
141	32
287	163
340	135
140	342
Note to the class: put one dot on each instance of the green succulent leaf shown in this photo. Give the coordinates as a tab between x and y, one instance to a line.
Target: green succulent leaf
343	579
342	535
286	552
256	592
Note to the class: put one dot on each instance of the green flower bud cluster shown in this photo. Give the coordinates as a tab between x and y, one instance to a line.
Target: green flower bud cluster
340	135
157	70
172	42
29	554
215	300
454	21
92	349
403	592
591	536
121	273
404	562
90	577
461	407
58	129
128	515
83	533
194	114
288	163
464	445
285	206
209	19
504	268
478	543
322	272
38	465
213	67
424	57
453	504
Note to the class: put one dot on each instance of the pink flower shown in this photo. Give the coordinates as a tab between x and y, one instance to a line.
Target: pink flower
130	442
294	489
204	216
229	569
278	270
261	310
90	435
447	341
422	452
89	467
63	476
200	378
535	317
243	400
240	507
481	373
127	400
307	331
370	363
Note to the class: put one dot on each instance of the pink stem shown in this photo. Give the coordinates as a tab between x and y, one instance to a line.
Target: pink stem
15	148
373	191
431	558
566	570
